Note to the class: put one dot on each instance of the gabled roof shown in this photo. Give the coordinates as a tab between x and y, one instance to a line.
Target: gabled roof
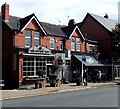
25	21
19	24
69	30
106	22
52	29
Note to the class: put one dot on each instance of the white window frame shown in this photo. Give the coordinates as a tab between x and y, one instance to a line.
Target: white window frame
28	37
95	49
91	51
52	41
37	38
35	63
78	41
72	44
61	45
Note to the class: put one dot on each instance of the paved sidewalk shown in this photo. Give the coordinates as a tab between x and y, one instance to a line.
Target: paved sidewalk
31	91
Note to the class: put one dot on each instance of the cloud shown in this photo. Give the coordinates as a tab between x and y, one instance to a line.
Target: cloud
53	10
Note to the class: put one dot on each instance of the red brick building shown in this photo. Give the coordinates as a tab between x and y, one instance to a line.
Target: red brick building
29	45
99	28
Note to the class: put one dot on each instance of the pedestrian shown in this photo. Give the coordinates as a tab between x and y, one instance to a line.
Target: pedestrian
85	76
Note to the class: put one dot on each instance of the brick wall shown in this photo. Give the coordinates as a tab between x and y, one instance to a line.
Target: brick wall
76	34
95	31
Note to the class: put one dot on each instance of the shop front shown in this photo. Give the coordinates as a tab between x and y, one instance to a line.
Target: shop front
93	67
37	58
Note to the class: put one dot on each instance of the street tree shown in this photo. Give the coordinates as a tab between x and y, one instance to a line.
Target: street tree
116	41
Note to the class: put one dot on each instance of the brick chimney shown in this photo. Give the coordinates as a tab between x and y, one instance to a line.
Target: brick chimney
106	16
5	11
71	22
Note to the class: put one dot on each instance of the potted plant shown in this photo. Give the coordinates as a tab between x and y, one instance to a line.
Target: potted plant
40	73
41	82
55	68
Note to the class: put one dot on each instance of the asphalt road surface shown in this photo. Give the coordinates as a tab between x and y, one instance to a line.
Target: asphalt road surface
100	97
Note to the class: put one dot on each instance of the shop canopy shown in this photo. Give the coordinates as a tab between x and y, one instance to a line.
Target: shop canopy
91	61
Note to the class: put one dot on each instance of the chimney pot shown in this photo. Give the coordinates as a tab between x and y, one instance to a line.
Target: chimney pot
106	16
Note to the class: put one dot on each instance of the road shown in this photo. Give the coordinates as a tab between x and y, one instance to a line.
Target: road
99	97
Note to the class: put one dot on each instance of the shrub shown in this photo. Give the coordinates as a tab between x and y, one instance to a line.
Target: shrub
40	72
52	76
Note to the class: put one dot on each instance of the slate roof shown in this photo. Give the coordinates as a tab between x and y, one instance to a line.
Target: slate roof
68	30
18	23
106	22
13	22
52	29
25	20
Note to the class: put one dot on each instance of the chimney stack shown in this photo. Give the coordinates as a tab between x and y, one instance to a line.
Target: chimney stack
5	11
71	22
106	16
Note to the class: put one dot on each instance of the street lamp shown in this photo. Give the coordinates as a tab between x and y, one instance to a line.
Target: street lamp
83	60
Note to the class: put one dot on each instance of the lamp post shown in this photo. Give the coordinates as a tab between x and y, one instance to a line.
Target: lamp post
82	74
83	60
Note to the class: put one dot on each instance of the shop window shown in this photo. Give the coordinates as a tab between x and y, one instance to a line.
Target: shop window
67	62
31	65
49	60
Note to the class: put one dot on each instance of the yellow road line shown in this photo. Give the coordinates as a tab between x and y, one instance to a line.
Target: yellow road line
70	90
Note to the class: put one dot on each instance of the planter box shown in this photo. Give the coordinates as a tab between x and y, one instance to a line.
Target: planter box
40	84
55	83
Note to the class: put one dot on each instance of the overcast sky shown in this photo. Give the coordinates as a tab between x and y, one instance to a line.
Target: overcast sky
53	11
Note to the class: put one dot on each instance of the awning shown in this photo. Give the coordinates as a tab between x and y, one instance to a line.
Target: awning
90	61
